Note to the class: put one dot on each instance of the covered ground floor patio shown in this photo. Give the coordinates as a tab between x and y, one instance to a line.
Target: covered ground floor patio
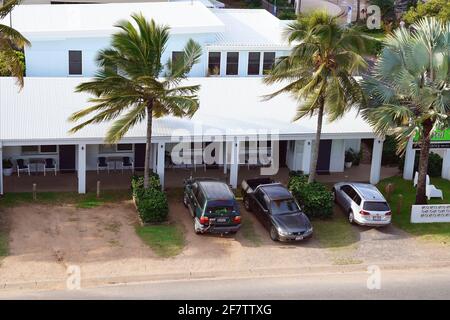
68	182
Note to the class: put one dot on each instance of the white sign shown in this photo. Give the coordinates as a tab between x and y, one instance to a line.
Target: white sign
430	213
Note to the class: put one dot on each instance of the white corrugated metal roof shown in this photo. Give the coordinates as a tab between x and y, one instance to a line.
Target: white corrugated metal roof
249	28
99	19
230	105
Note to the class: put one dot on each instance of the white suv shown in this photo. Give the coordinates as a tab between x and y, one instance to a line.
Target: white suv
363	203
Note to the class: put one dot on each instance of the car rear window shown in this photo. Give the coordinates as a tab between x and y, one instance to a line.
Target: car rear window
284	206
376	206
219	211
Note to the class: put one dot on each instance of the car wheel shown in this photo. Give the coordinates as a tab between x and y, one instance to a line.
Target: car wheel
334	195
247	204
197	231
351	217
274	234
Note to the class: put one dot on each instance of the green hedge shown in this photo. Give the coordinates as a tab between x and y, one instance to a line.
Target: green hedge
314	198
151	202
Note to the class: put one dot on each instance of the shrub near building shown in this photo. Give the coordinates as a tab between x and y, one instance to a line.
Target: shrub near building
151	203
314	198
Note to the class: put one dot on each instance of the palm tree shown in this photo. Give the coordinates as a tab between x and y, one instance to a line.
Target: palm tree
10	41
319	70
129	87
409	90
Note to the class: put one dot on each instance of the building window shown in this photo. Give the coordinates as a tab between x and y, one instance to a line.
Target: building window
232	63
269	60
124	147
177	55
253	63
30	149
39	149
214	64
49	149
113	148
75	63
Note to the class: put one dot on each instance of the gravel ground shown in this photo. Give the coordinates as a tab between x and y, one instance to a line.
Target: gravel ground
45	240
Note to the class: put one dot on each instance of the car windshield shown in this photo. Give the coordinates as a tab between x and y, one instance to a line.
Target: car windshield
219	211
284	206
376	206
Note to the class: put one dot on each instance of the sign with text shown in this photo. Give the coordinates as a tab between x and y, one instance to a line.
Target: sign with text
430	213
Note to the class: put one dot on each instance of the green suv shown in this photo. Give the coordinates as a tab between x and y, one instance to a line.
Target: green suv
212	206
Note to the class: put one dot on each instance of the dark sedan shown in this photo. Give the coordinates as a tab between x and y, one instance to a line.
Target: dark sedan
277	210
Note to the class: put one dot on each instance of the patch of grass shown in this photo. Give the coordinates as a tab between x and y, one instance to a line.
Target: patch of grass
335	233
346	261
248	232
114	226
3	244
166	240
439	232
88	200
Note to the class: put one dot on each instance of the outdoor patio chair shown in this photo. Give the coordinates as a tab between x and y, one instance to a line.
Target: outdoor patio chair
416	179
50	165
433	192
21	166
127	163
102	164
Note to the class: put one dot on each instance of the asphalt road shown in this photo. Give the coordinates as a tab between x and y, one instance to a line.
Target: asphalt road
409	284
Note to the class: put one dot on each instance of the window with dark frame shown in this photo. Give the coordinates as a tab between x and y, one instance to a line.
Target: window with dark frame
113	148
176	55
268	61
49	149
125	147
36	149
30	149
232	63
253	63
75	62
214	63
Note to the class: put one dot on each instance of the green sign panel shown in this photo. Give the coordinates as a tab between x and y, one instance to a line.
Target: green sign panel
438	136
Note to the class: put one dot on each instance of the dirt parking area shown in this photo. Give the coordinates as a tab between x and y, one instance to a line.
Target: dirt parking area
44	240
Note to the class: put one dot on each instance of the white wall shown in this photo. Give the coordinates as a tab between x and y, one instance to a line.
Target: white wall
355	144
337	157
50	58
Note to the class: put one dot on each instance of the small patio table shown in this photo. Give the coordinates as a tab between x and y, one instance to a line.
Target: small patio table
116	160
36	162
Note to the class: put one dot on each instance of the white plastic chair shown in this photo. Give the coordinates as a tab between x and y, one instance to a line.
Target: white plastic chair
433	192
416	179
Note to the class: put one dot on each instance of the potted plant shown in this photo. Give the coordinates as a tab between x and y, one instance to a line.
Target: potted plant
349	158
7	167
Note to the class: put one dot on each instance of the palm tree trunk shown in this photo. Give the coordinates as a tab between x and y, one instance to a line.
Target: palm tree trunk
423	163
315	154
358	10
148	144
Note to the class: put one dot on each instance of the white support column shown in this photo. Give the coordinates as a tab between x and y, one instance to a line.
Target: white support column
81	168
446	165
225	157
154	156
234	164
161	162
306	161
1	169
375	167
410	155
